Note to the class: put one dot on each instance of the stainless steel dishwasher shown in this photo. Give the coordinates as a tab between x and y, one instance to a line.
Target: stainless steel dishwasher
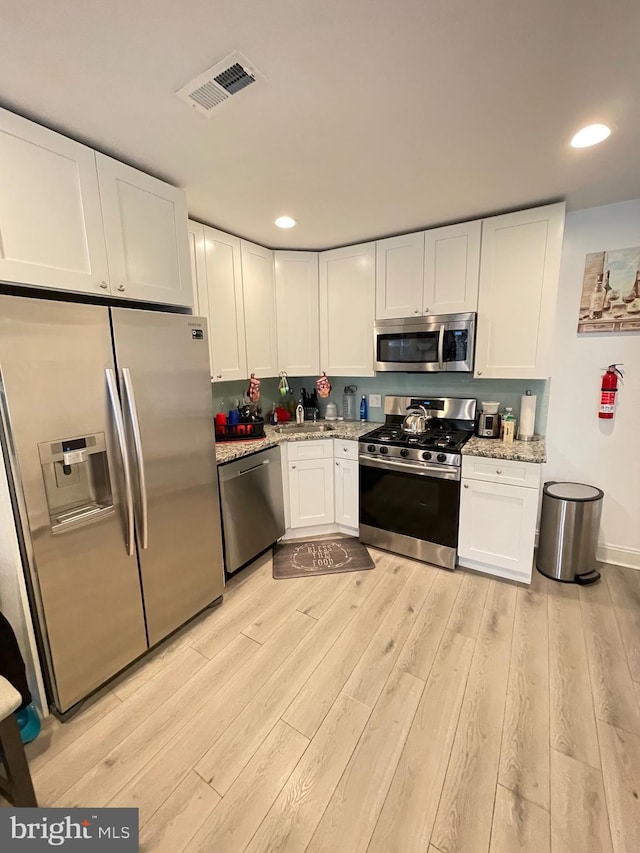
252	505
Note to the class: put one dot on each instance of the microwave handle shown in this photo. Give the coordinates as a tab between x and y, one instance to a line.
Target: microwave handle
441	348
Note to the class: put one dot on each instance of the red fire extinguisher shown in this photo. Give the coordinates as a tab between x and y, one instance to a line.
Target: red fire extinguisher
609	391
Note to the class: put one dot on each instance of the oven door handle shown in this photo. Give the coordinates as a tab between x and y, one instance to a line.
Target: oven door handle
422	469
441	348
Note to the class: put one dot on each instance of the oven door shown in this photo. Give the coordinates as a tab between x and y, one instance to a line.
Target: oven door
409	347
410	509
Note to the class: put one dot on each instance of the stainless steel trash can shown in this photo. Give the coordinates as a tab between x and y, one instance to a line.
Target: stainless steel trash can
569	527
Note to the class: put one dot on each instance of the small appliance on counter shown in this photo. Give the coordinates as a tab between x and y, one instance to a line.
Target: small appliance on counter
489	420
331	412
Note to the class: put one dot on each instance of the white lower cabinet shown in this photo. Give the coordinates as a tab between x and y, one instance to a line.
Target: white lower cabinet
346	486
320	480
311	492
498	521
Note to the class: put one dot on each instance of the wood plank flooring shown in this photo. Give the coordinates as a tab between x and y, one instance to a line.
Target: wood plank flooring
402	710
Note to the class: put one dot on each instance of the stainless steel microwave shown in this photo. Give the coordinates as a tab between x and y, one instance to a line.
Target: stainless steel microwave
435	344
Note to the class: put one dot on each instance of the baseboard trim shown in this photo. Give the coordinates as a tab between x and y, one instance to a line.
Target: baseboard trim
318	530
627	557
493	571
618	556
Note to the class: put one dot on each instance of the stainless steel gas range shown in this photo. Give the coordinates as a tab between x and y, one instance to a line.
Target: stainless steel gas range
410	483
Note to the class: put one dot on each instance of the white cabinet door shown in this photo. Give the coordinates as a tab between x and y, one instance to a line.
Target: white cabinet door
311	492
497	526
198	258
346	486
50	217
298	317
258	287
347	308
220	301
519	269
145	225
451	268
399	276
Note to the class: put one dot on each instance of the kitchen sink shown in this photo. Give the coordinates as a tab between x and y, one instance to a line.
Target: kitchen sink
308	426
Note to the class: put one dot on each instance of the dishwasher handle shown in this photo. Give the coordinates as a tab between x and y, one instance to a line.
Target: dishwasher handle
253	468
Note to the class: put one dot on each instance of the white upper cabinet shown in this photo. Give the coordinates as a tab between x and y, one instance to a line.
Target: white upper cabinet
519	269
431	272
451	268
258	286
50	218
220	301
298	317
399	276
198	258
145	225
347	309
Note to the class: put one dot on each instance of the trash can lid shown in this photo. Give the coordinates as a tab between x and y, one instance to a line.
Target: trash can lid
573	491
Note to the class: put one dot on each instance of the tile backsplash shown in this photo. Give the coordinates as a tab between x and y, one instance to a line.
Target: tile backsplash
507	391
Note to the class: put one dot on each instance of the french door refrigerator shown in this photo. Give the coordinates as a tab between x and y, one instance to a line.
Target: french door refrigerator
107	429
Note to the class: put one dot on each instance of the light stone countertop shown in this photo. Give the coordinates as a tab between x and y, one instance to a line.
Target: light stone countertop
519	451
231	450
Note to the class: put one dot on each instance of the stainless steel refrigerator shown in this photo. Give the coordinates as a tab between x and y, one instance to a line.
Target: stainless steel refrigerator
108	431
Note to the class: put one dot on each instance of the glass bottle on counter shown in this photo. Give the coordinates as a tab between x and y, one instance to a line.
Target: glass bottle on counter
508	426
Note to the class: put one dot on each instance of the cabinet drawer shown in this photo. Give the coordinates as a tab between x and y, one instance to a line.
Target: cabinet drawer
310	450
505	471
345	449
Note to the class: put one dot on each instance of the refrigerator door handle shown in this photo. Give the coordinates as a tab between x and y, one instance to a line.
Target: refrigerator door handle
120	432
137	443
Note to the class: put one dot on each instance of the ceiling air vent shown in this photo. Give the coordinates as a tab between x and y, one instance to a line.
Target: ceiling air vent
219	83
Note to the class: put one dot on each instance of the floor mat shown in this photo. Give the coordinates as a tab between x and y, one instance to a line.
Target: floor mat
320	557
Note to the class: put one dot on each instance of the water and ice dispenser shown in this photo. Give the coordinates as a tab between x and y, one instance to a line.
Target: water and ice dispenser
76	479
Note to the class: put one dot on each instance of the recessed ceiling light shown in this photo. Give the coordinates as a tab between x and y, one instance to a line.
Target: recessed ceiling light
285	222
590	135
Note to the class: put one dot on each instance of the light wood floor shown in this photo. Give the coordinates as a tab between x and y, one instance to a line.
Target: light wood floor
399	710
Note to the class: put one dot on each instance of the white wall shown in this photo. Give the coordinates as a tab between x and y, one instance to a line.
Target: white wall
581	447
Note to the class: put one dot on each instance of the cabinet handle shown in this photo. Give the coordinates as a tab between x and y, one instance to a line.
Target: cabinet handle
498	470
345	449
426	310
416	311
479	373
293	466
104	285
465	486
337	464
121	288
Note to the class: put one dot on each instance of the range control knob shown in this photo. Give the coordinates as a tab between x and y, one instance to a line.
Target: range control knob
384	450
371	448
442	457
426	455
404	452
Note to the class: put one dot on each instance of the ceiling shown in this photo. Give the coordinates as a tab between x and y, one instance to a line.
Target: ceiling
374	117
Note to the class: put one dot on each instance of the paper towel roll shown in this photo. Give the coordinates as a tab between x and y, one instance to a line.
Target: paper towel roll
527	415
